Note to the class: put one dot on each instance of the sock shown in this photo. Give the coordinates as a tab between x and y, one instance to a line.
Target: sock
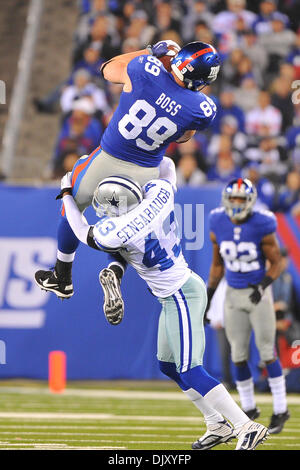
277	385
220	400
64	271
210	416
67	241
246	393
117	264
198	379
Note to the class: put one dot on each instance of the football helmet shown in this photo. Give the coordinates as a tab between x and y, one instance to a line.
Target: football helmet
197	64
243	189
116	195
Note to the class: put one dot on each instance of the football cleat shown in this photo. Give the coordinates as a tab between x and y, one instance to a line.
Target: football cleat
216	434
48	280
113	305
253	414
251	435
277	422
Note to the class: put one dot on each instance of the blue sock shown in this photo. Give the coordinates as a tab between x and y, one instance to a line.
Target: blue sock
198	379
169	369
67	241
242	372
274	369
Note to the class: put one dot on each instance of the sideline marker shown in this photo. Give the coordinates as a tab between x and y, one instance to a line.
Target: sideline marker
57	371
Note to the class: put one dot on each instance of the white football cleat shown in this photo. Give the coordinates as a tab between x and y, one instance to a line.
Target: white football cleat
113	305
251	435
216	434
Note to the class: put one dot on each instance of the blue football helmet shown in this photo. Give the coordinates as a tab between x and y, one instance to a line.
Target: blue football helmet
242	189
197	64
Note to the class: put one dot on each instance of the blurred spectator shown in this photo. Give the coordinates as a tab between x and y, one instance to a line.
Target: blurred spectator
271	157
203	33
99	37
140	29
289	194
281	98
188	171
225	168
294	57
227	107
226	20
267	12
264	114
83	87
197	14
246	95
80	133
252	49
97	7
277	43
166	17
266	192
238	140
91	62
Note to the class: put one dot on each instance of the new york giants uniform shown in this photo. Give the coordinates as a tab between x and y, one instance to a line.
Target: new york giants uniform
156	112
244	262
148	239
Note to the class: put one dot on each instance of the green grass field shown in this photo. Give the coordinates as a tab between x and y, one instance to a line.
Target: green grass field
116	415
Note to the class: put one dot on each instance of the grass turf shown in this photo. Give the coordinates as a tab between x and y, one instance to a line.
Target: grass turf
117	415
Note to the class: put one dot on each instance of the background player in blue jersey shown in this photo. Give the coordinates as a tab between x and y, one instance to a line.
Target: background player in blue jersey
244	241
156	107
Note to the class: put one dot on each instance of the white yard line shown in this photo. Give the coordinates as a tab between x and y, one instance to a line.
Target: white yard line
93	416
130	394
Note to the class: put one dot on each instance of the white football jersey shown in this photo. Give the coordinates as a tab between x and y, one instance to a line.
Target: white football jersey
148	238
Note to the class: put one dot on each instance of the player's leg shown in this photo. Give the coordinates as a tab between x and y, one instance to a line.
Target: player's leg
238	331
264	325
186	338
218	429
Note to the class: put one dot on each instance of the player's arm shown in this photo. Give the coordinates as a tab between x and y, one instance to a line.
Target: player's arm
216	271
186	136
78	223
167	171
115	70
271	250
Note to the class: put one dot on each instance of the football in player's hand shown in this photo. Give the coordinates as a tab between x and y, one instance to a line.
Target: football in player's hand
166	59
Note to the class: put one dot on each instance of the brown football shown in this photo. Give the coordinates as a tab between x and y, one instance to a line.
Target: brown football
166	59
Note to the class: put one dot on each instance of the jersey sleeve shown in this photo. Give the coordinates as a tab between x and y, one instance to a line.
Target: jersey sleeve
136	68
267	223
105	235
204	113
213	220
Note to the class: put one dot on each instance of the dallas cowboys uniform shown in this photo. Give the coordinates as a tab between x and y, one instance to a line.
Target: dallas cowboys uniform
240	248
148	239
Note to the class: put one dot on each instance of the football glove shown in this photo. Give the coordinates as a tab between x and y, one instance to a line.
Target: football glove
161	48
65	185
210	292
258	292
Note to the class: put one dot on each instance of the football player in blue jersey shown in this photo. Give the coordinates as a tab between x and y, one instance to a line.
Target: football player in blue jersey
246	250
145	232
155	108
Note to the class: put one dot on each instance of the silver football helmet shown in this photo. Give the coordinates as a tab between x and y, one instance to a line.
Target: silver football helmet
242	189
116	195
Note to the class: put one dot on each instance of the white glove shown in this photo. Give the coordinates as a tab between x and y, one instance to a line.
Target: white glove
65	184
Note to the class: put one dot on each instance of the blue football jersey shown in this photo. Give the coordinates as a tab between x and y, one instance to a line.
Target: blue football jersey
240	245
156	112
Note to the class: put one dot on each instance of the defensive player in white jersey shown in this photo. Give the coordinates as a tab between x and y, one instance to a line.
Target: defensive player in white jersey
144	231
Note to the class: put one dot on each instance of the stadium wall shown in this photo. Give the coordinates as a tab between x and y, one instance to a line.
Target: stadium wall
33	322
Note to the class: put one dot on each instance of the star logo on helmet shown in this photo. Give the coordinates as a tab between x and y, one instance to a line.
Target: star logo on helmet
113	201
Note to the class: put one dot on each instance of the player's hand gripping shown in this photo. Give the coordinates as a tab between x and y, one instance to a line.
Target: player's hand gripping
65	185
161	48
258	292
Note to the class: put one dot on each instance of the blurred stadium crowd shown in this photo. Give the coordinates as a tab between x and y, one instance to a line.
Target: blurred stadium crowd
256	133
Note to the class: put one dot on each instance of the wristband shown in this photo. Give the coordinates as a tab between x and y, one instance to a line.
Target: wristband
267	280
63	191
